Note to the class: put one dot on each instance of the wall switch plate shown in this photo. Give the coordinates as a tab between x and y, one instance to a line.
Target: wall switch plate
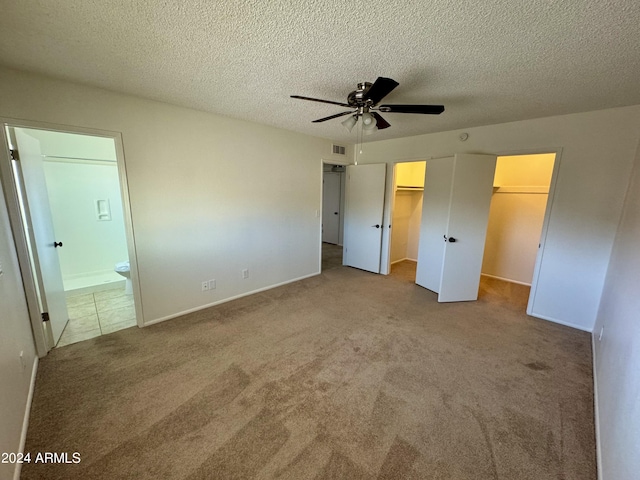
205	286
245	273
601	332
212	284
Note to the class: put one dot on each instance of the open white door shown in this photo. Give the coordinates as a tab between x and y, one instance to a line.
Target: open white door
456	205
433	225
41	234
364	211
331	207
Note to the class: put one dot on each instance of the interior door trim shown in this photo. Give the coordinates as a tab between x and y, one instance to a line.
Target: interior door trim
20	237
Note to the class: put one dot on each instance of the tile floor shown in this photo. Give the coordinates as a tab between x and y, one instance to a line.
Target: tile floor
98	313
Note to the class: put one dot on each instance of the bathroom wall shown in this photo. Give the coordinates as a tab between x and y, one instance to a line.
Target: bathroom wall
91	246
79	170
516	216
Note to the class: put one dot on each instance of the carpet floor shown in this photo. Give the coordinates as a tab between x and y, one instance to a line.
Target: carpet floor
345	375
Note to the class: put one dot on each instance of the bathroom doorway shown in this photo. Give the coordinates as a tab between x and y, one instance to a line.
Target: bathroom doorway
73	182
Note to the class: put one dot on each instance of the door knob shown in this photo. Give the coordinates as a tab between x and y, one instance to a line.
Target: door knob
57	244
376	225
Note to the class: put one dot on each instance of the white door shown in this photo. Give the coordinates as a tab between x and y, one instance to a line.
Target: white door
41	234
331	207
433	225
364	211
460	222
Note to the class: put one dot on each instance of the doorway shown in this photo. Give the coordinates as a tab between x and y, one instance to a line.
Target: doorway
333	185
514	231
74	213
408	189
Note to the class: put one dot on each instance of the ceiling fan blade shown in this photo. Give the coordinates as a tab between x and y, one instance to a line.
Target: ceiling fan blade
332	116
426	109
381	123
380	89
321	101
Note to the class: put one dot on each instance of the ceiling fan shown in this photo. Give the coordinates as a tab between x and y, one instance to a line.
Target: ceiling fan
363	102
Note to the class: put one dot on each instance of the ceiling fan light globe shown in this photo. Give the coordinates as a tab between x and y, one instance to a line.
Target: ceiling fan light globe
349	122
368	122
369	130
367	119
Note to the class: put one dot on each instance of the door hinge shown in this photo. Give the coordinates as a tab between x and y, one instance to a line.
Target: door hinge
14	155
45	316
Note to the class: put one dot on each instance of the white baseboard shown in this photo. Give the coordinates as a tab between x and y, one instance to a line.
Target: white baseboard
561	322
403	259
218	302
505	279
398	261
596	409
25	420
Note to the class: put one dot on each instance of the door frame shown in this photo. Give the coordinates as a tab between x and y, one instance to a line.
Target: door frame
335	176
20	235
385	261
323	162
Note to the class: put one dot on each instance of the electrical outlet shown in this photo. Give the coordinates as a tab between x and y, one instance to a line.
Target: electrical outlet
245	273
22	361
205	286
212	284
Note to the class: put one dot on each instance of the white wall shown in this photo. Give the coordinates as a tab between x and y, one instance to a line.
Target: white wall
15	337
597	152
516	216
210	195
91	246
617	355
405	225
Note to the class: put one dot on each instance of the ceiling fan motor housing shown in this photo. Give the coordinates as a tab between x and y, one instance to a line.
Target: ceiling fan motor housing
357	97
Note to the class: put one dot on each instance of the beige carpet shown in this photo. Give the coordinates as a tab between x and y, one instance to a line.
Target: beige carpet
347	375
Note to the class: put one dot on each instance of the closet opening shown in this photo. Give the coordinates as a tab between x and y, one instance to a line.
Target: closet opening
516	219
408	188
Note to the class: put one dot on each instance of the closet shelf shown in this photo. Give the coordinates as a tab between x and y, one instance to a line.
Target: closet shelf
520	189
407	188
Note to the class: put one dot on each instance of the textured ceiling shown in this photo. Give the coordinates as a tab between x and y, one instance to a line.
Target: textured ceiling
487	61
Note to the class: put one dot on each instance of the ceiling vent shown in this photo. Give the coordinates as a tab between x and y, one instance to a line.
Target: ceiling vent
339	150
